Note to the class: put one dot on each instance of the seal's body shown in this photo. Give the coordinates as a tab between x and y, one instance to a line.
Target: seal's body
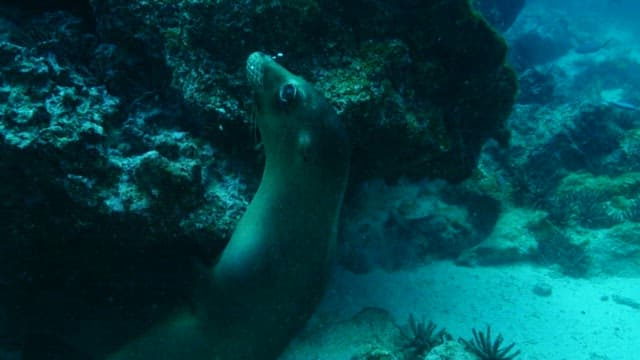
274	269
272	273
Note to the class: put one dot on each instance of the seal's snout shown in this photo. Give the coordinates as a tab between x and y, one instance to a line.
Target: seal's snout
255	70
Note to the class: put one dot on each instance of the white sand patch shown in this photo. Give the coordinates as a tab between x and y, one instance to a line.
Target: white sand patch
578	321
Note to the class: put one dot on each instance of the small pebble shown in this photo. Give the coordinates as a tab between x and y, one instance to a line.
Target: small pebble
626	301
542	289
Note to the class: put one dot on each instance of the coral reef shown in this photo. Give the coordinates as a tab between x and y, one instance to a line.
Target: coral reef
570	169
595	202
363	70
127	131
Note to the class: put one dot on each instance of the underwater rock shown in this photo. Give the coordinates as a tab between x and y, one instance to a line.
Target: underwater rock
511	240
413	133
536	48
542	289
399	225
176	62
404	100
370	334
80	8
561	250
596	202
549	142
500	13
614	251
536	39
536	87
450	350
613	80
626	301
127	131
375	354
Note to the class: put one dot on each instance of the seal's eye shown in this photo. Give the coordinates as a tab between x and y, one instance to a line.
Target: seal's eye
287	93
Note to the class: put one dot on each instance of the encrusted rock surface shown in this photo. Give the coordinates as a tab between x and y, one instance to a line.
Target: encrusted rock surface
126	137
500	13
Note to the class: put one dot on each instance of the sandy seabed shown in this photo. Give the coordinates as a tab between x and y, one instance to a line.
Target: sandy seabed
579	320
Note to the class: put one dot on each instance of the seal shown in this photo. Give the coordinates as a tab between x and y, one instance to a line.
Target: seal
272	274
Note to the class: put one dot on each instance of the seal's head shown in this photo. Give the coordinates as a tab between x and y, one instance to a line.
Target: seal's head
293	117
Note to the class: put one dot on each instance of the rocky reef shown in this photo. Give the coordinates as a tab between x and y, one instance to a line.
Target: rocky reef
563	194
128	149
500	13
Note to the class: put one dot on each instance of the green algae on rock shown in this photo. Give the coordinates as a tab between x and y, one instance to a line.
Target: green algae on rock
417	96
136	146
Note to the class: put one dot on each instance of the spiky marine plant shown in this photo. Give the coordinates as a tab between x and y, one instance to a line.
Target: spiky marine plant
423	337
482	346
